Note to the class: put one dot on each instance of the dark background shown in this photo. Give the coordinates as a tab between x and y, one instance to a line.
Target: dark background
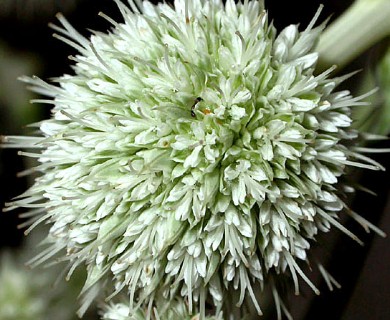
364	272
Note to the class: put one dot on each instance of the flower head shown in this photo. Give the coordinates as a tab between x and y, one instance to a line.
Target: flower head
178	310
193	152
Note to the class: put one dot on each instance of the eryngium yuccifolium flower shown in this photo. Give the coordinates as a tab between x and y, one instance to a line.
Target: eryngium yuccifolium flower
193	152
177	310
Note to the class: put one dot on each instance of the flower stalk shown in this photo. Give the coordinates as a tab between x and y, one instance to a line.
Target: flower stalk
362	25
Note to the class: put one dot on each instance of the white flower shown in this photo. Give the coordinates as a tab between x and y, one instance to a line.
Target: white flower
193	153
178	310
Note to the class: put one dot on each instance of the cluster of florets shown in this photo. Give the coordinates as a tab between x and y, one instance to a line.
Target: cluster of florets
193	153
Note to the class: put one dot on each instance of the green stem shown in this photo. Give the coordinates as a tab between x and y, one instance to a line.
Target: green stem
357	29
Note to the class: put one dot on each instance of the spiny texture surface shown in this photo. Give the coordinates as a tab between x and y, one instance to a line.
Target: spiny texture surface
194	152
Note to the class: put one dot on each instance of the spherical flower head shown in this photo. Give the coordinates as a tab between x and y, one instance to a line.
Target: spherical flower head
178	310
193	152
